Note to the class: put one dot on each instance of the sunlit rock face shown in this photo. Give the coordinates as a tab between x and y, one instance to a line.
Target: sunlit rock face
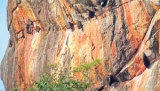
156	2
123	34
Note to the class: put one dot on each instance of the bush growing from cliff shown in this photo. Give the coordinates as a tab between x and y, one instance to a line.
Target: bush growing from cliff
85	67
61	82
15	89
48	83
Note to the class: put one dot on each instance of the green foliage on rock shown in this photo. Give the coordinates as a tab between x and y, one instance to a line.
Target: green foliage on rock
53	80
85	67
15	89
48	83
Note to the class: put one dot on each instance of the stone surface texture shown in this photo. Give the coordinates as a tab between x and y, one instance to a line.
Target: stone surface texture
119	34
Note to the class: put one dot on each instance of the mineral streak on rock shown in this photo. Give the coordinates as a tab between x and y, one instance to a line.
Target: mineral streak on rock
119	40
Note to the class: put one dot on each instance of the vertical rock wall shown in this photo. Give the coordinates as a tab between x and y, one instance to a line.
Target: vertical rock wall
123	34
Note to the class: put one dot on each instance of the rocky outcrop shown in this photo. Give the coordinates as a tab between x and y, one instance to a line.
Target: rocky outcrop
123	34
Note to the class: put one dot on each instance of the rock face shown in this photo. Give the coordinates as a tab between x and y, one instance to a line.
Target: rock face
123	34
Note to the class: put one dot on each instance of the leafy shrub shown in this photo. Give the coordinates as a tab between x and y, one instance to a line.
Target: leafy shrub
52	82
85	67
15	89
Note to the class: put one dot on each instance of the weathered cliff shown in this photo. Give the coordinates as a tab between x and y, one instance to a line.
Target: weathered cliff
123	34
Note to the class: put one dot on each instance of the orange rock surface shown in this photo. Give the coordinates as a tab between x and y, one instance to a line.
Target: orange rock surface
121	33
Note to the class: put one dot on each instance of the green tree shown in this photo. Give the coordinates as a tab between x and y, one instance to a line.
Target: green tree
53	81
